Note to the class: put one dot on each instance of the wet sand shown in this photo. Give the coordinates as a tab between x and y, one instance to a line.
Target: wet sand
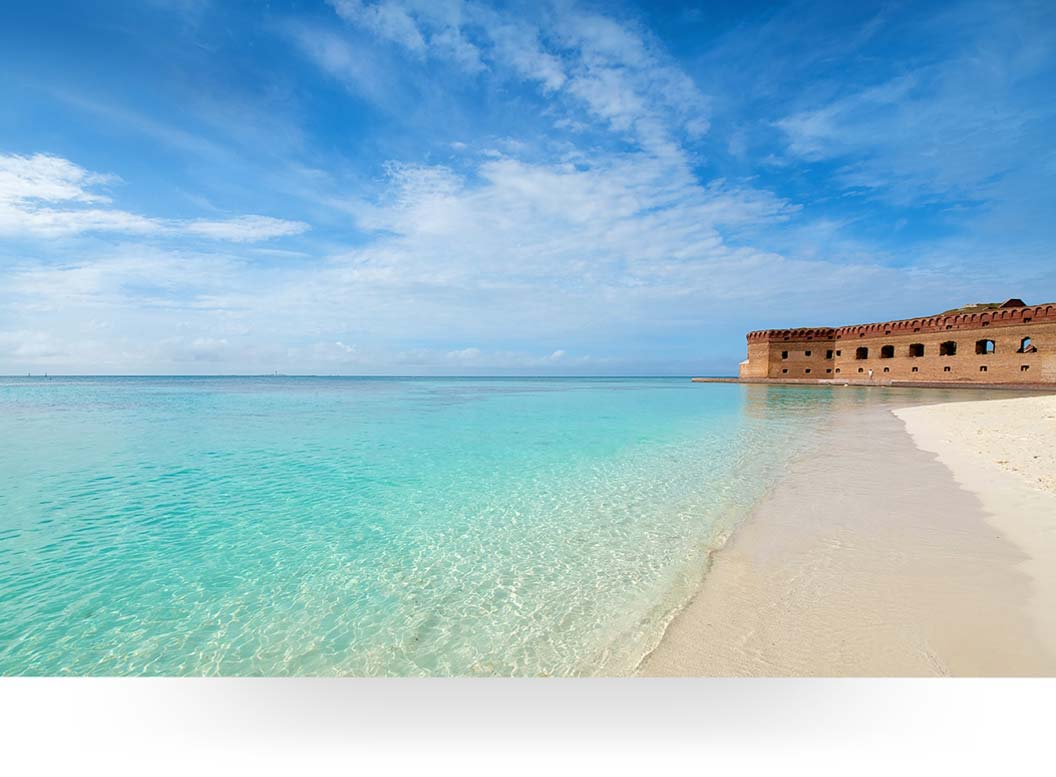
873	558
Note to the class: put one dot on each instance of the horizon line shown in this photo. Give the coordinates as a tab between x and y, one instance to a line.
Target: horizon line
330	375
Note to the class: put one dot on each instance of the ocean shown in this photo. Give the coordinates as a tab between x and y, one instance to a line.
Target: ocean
370	526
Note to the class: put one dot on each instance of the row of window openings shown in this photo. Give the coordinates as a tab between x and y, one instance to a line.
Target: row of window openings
949	348
916	350
1022	368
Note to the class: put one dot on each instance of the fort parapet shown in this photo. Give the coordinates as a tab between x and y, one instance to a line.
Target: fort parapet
1007	344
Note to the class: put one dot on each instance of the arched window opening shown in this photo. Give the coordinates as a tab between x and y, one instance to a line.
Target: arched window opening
984	347
887	352
861	353
1026	345
949	348
916	350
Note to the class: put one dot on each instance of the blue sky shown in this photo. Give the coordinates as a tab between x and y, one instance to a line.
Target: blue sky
462	187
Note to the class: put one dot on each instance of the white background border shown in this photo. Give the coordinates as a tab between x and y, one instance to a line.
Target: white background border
713	726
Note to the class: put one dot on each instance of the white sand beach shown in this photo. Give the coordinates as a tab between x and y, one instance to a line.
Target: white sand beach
920	542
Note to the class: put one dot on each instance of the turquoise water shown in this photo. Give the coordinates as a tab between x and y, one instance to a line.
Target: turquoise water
321	526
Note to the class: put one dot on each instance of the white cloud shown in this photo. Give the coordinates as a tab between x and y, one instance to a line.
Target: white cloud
31	219
464	355
962	126
30	185
342	61
627	247
471	359
513	257
47	178
614	70
629	208
48	196
246	229
29	346
837	128
625	78
517	44
386	19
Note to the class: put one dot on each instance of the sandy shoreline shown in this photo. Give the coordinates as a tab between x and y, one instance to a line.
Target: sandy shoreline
918	542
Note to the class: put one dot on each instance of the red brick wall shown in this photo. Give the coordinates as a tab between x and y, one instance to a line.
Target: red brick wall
801	354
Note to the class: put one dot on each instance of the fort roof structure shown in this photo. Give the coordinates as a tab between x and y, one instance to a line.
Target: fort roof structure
987	344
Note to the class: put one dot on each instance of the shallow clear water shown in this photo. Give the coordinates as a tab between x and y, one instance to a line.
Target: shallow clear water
248	526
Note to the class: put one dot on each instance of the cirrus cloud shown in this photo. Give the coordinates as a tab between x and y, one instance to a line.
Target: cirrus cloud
42	196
